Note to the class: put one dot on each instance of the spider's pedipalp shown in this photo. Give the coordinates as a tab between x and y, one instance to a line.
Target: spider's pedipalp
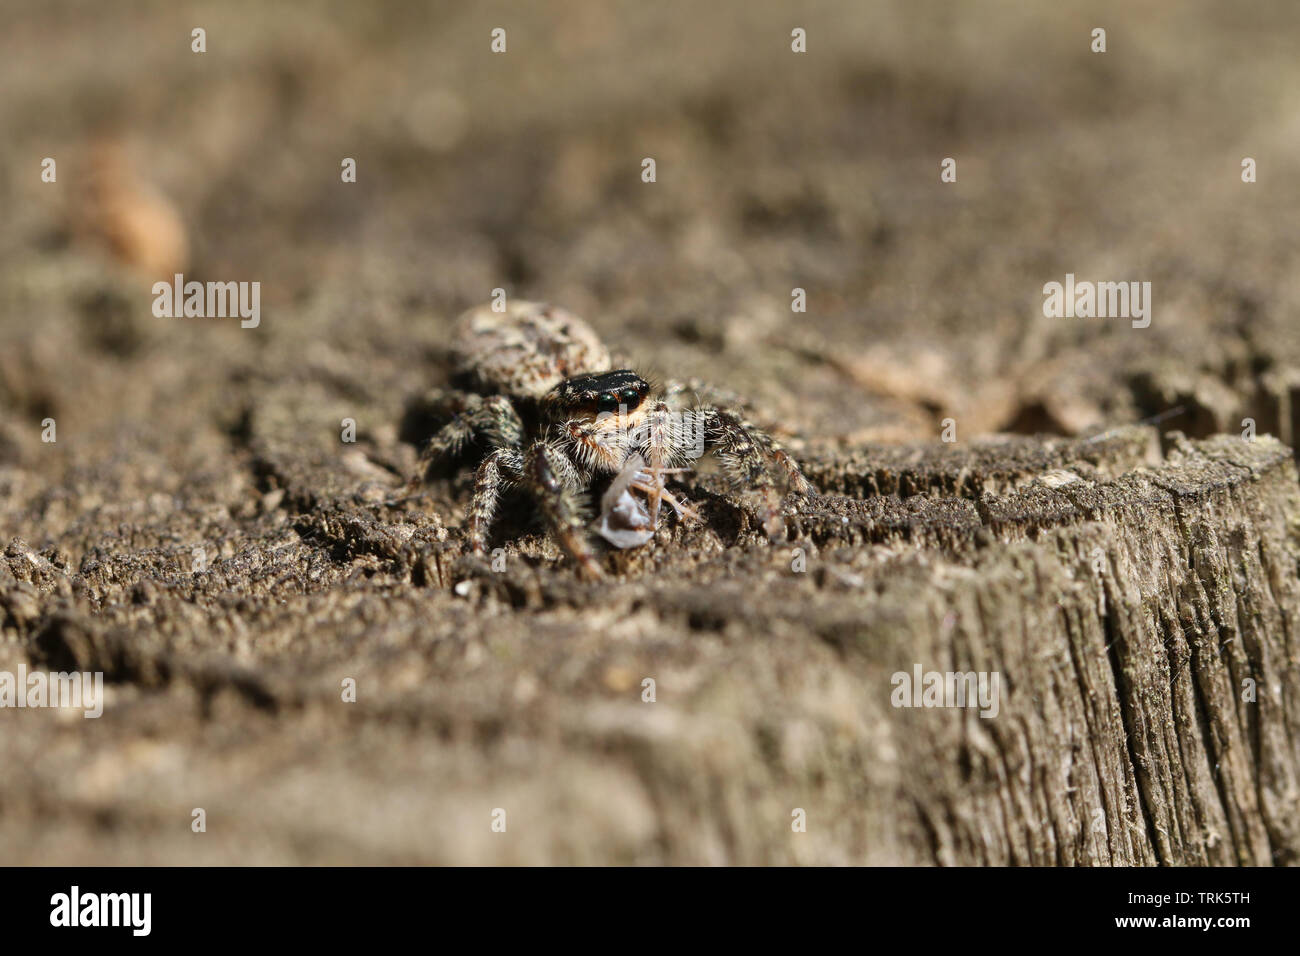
591	447
667	439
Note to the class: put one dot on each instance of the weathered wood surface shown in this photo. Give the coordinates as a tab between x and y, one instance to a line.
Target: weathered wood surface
1124	605
1127	586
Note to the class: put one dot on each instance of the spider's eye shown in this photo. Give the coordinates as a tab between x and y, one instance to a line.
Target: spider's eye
631	397
607	402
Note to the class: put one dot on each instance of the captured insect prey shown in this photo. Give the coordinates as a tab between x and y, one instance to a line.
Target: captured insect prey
625	520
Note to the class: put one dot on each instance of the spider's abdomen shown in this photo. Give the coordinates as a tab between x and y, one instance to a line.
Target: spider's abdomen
526	350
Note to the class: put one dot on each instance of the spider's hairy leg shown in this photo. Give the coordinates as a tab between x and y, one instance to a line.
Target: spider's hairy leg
742	458
711	397
503	465
553	481
772	448
745	451
494	418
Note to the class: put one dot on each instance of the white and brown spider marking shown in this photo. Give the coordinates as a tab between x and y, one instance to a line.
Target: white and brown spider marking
557	420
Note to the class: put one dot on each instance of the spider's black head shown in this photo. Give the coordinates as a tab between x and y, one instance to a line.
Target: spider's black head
592	395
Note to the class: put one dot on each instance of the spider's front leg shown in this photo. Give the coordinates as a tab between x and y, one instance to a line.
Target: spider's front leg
553	481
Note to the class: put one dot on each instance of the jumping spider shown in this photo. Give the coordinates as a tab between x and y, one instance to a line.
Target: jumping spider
541	394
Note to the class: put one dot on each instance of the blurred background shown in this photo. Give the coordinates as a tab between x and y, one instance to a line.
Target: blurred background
522	170
776	170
